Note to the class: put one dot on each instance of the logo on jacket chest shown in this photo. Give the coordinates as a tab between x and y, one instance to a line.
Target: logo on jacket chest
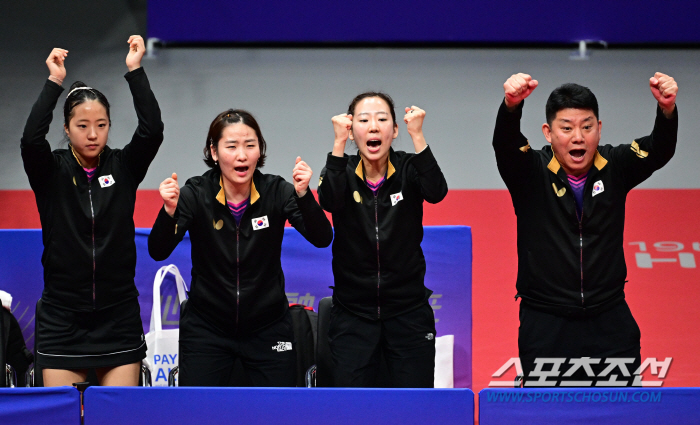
260	223
106	181
395	198
598	187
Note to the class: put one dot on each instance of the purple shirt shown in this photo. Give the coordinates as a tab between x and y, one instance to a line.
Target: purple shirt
90	173
577	185
238	209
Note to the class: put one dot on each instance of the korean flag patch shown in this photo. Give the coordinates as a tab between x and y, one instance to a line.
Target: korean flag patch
260	223
395	198
106	181
598	187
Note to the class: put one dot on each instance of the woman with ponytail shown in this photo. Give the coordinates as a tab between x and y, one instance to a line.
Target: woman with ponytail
89	315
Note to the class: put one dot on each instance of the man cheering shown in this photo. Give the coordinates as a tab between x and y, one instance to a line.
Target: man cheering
569	199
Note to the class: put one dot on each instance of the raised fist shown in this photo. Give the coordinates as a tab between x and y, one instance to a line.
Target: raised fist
517	88
57	72
414	120
301	175
341	127
170	192
136	50
664	89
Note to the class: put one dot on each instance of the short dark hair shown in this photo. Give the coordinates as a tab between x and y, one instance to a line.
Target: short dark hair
570	95
223	120
385	97
76	97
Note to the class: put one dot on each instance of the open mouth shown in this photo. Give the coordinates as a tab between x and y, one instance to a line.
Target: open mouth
373	145
577	154
241	171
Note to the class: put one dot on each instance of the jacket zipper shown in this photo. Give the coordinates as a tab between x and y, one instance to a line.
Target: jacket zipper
580	241
92	211
376	229
238	273
580	238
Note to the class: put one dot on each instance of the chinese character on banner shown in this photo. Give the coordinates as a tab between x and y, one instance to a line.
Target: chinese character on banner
292	297
434	298
307	300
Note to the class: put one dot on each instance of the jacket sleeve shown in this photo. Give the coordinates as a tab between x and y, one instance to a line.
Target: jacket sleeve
139	153
514	156
168	231
432	182
36	150
637	161
307	217
333	182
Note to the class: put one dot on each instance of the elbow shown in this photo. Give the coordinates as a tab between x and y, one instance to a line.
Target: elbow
155	253
434	198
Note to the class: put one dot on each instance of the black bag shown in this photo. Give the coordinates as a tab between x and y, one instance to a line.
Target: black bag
305	322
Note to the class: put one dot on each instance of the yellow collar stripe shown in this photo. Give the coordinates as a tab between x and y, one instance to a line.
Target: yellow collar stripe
598	161
221	196
389	172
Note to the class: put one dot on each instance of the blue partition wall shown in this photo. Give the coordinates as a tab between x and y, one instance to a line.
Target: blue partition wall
308	275
599	406
38	406
279	406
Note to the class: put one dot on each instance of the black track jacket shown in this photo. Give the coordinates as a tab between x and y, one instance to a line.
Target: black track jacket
566	266
88	228
237	279
378	263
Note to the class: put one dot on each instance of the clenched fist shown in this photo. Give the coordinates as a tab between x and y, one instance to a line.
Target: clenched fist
342	124
414	124
301	175
136	50
664	89
57	71
517	88
170	192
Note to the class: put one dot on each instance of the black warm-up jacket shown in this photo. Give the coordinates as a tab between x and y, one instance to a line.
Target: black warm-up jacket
88	227
237	279
378	263
568	266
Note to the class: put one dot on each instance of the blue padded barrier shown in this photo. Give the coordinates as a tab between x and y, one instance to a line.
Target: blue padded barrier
599	406
36	406
279	406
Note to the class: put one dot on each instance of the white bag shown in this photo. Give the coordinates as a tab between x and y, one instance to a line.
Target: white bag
163	344
444	368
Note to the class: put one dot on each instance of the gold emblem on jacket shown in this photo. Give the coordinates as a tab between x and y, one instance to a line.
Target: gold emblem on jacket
218	224
357	197
640	153
559	192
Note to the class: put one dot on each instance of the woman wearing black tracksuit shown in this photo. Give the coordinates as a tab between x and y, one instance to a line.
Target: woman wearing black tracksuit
235	215
380	302
89	315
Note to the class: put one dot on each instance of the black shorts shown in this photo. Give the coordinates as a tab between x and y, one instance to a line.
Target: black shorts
67	339
406	342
